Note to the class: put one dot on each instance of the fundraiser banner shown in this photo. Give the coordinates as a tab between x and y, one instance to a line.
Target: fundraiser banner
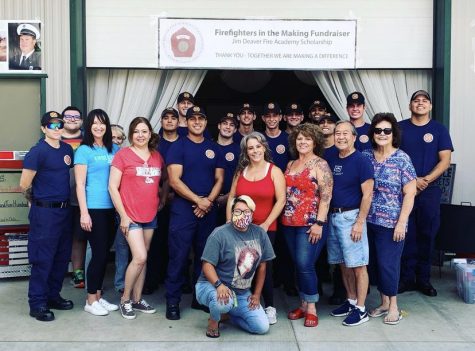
20	46
257	44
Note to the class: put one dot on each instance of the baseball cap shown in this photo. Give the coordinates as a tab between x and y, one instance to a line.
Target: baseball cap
169	110
196	110
328	117
28	29
420	92
293	108
272	107
229	116
186	96
247	200
248	107
48	116
318	103
355	98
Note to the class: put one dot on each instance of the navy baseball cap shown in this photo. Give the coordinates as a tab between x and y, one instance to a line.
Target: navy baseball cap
318	104
169	110
195	110
186	96
272	107
48	116
293	108
421	92
229	117
355	98
328	117
247	107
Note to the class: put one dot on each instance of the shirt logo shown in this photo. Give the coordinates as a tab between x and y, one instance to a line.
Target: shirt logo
428	137
280	149
148	171
210	154
67	160
337	170
364	138
229	156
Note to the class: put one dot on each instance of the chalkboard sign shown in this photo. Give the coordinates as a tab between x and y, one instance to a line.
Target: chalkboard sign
446	183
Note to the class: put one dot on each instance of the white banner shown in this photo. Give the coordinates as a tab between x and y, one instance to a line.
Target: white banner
257	44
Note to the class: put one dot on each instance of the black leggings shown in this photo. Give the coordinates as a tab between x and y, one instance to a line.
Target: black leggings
268	288
100	238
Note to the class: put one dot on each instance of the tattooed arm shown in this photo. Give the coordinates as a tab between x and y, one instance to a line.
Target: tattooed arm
325	187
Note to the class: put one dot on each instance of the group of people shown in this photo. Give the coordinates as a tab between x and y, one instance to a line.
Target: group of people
366	191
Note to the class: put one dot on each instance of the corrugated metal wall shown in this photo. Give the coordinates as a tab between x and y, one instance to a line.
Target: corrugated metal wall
54	15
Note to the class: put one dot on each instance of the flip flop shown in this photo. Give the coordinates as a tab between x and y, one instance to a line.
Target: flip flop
378	312
213	332
392	322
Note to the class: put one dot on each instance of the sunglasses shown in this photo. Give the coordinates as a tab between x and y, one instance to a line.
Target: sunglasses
386	131
55	125
72	117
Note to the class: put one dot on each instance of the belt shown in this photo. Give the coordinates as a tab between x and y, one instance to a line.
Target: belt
342	209
47	204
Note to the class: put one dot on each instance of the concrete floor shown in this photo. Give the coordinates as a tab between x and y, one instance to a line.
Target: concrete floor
441	323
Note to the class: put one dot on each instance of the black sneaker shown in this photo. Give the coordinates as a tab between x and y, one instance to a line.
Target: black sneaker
60	304
173	312
42	314
126	310
143	306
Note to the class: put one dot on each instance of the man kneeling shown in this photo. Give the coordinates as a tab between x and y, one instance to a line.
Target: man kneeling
233	253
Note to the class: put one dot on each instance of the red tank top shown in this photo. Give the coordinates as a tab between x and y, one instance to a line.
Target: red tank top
263	193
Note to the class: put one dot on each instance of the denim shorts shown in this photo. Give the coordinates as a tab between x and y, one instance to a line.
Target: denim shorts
149	225
341	249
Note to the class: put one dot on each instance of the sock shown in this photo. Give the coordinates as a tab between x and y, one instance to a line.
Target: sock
361	308
352	302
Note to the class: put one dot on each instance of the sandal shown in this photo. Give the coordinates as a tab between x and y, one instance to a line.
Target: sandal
212	332
311	320
378	312
390	321
296	314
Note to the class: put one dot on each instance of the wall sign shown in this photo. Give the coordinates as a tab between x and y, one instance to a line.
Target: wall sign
257	44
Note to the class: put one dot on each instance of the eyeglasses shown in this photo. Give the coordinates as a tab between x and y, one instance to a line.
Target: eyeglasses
386	131
238	212
72	117
55	125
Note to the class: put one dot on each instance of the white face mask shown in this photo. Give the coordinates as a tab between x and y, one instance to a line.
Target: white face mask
242	221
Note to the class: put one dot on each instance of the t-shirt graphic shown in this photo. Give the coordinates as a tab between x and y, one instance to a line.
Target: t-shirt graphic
248	256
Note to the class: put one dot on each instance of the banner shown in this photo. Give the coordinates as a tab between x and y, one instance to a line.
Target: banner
20	46
257	44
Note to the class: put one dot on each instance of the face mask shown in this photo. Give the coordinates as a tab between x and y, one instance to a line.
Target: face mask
242	221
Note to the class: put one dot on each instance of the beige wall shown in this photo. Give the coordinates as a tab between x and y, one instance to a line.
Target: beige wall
462	101
54	15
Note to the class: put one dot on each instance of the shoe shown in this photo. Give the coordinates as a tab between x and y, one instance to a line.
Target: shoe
173	312
356	317
427	289
271	313
107	305
336	300
60	304
406	286
311	320
344	309
212	332
96	309
197	306
296	314
186	288
143	306
126	310
291	291
378	312
77	279
42	314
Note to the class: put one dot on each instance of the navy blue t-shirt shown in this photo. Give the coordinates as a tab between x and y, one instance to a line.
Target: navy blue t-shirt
423	143
51	182
330	152
348	175
183	131
237	137
362	140
230	154
164	146
199	161
279	147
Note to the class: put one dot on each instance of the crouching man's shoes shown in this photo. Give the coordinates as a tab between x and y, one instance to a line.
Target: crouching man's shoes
42	314
60	304
173	312
427	289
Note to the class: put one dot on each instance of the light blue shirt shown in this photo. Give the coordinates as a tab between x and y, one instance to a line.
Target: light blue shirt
98	160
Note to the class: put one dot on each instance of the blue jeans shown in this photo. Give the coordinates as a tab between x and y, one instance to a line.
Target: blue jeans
341	249
252	321
121	259
305	254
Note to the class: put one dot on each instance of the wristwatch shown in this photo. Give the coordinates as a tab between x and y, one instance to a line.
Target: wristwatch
319	223
217	283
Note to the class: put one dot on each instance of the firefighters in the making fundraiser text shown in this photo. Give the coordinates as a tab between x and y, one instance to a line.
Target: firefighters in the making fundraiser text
45	182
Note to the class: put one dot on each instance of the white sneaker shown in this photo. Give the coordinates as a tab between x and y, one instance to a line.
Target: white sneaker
96	309
271	313
107	305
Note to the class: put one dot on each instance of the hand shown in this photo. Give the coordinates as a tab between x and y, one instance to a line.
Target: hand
204	204
254	301
198	212
421	183
314	233
86	222
223	294
125	222
399	232
357	231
